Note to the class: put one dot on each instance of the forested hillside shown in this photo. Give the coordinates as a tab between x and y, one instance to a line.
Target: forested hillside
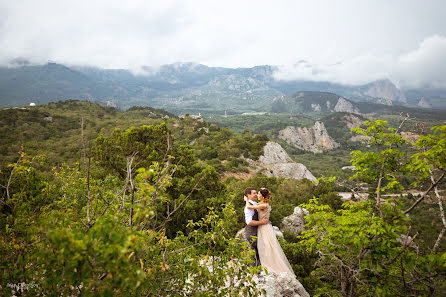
100	202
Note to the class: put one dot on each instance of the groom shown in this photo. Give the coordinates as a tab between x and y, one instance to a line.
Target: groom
252	221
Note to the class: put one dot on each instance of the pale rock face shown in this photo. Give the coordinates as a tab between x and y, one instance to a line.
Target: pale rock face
110	104
316	107
360	138
280	285
351	121
349	168
407	241
424	103
385	89
274	153
314	139
289	170
385	101
276	162
295	223
410	137
345	106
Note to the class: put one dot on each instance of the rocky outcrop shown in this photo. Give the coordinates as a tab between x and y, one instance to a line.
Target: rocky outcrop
407	136
410	137
274	153
385	101
424	103
360	138
345	106
385	89
280	285
351	121
316	107
295	223
349	168
314	139
276	162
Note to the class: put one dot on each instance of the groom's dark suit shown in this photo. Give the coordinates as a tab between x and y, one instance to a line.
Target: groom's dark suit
252	231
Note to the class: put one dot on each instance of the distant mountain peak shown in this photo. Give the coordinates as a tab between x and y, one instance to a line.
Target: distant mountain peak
385	89
424	103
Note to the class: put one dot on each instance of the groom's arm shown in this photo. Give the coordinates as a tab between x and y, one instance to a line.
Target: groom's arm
257	223
250	222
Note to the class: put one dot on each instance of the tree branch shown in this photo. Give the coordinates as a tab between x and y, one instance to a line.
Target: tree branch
433	184
443	218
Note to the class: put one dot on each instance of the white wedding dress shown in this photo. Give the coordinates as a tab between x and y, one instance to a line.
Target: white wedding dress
270	253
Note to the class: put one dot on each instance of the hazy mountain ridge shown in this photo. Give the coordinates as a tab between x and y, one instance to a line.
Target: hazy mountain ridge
185	85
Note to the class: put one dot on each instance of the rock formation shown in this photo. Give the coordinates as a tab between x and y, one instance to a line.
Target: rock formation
410	137
360	138
385	101
276	162
280	285
345	106
295	223
316	107
424	103
351	121
349	168
385	89
314	139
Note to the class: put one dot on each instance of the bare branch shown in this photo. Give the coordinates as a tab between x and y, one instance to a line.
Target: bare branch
12	173
170	213
443	218
433	184
87	171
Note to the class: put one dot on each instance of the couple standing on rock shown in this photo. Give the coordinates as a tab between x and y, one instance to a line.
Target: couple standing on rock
260	233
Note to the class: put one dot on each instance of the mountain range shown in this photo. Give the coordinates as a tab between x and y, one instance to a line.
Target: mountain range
183	87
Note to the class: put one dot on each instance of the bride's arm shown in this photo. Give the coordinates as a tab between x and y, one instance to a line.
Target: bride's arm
250	206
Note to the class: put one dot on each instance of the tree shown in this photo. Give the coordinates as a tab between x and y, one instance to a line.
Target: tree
367	248
122	249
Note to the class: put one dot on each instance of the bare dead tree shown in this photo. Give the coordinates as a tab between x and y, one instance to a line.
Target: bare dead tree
87	171
443	218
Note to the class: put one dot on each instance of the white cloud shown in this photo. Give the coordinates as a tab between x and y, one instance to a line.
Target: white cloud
421	67
362	40
425	66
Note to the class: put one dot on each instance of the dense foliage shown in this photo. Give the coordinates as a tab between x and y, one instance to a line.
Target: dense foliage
368	248
100	202
89	230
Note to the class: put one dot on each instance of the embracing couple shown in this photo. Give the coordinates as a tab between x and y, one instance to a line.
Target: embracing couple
260	233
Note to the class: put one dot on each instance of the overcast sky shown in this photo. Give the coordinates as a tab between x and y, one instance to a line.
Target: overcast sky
346	41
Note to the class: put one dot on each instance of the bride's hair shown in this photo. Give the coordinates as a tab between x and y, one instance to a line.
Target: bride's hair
266	195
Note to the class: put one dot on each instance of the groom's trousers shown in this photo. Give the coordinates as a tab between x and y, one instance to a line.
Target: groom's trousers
250	232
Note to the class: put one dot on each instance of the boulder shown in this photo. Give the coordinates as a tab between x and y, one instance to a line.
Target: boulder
280	285
295	223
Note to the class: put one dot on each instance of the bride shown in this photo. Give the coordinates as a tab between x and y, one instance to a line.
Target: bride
270	253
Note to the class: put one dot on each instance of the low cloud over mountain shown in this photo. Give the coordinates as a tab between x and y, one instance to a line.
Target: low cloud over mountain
422	67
